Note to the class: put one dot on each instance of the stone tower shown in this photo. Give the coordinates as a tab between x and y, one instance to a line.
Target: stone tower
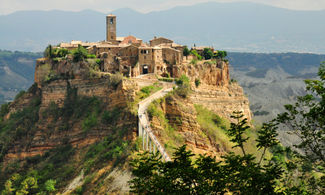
111	28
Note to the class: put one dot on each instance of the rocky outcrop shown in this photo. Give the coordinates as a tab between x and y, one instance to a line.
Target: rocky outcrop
223	101
208	72
181	115
52	83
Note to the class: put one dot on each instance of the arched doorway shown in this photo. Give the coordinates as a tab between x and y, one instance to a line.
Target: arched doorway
145	69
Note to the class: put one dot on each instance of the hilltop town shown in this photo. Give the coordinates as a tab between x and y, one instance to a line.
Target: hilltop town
133	57
93	105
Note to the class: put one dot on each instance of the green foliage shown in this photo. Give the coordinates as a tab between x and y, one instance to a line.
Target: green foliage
170	80
267	137
49	53
198	56
55	53
148	90
221	55
89	122
19	125
186	51
213	126
183	80
193	61
110	117
197	82
306	119
182	175
20	94
115	80
237	130
79	54
172	138
184	88
112	147
91	56
207	53
4	109
50	185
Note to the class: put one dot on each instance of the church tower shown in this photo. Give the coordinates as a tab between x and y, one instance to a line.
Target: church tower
111	28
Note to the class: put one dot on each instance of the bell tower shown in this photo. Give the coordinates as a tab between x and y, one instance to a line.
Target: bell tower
110	28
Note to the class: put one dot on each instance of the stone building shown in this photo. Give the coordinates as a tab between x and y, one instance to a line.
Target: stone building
130	55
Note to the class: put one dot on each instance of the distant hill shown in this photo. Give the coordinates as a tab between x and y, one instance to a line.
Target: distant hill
230	26
16	72
273	80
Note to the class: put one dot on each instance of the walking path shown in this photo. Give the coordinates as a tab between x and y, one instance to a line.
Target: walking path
149	140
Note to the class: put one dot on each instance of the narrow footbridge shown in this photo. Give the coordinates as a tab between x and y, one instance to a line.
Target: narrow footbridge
149	140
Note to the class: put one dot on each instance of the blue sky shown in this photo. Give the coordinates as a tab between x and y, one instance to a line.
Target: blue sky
9	6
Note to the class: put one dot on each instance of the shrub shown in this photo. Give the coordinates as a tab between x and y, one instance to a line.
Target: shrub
207	53
92	56
166	79
193	61
20	94
198	56
110	117
79	54
186	51
115	80
182	80
4	109
197	82
183	86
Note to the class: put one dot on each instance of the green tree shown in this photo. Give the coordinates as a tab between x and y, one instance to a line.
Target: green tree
207	53
236	174
237	130
306	120
79	54
49	52
186	51
221	54
198	56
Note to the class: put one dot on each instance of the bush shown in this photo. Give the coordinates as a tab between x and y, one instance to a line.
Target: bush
186	51
197	82
166	79
20	94
110	117
115	80
92	56
194	52
4	109
207	53
193	61
79	54
183	80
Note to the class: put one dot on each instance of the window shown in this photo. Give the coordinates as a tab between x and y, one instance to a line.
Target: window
112	21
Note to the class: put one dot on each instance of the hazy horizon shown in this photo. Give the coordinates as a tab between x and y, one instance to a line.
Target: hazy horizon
142	6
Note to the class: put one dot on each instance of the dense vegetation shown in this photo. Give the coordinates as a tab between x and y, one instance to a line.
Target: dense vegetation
47	173
286	172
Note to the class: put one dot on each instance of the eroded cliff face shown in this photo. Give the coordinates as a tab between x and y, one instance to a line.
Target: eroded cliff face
215	93
208	72
223	101
53	84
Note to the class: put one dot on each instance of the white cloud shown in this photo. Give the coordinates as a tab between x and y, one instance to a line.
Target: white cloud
9	6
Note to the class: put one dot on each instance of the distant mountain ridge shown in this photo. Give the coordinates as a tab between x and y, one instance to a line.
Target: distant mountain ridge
230	26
